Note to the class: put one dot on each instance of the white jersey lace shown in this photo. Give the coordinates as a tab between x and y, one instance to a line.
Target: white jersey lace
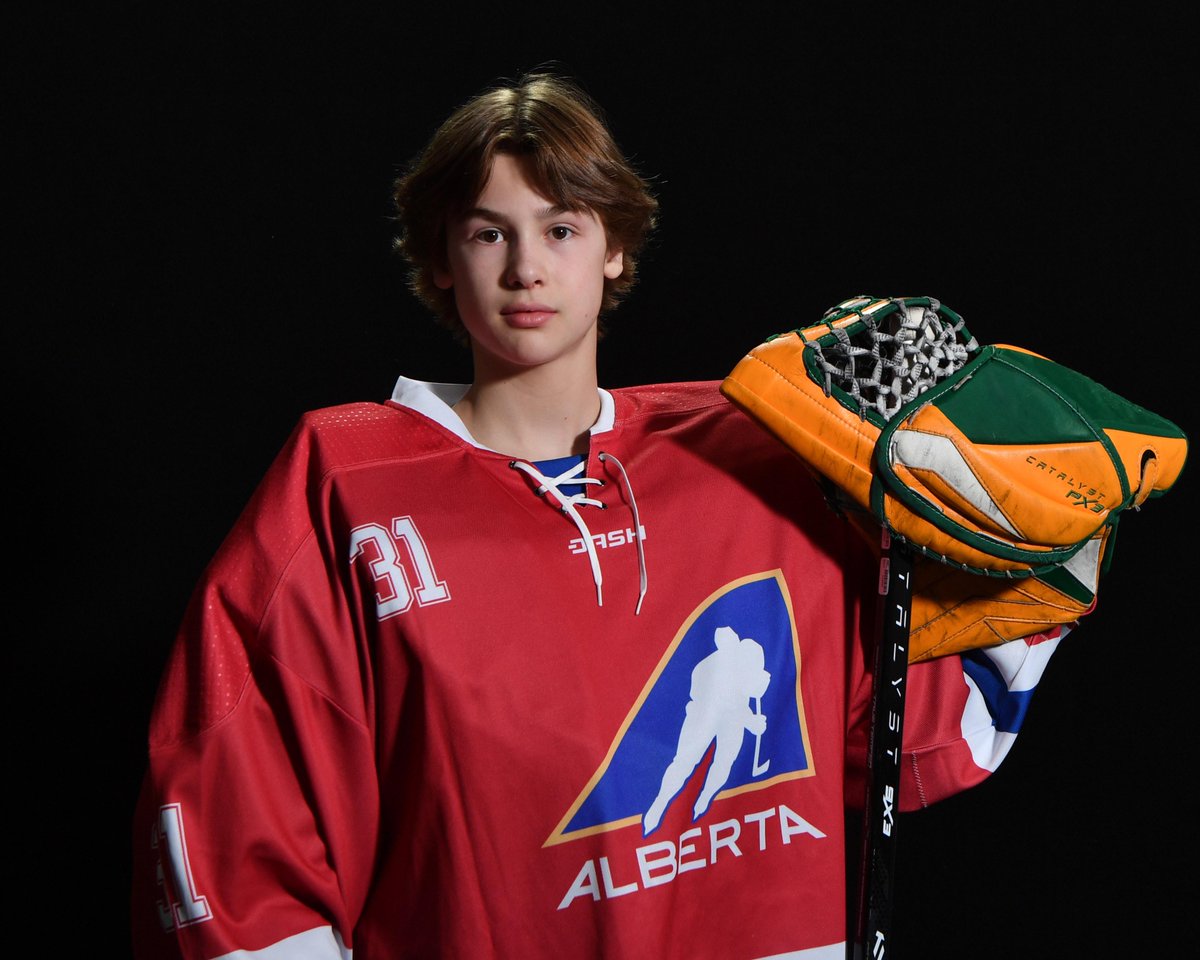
569	503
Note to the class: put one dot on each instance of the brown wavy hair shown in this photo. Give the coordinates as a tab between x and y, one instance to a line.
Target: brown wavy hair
569	154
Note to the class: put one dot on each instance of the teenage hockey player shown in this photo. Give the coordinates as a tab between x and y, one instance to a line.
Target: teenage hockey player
524	667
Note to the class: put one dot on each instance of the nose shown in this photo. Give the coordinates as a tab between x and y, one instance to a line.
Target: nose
524	269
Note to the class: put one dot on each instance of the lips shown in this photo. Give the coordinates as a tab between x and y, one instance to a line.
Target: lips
527	315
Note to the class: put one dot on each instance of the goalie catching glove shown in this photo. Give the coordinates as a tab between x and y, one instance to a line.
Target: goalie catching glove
1007	471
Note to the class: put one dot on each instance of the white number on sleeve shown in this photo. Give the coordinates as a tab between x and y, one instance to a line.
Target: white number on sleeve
181	903
374	544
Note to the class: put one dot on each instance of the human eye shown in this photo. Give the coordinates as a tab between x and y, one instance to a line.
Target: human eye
489	236
560	231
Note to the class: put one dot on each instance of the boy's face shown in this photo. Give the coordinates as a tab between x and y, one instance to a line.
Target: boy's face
528	277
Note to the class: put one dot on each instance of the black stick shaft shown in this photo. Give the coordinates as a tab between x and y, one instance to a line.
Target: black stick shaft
877	874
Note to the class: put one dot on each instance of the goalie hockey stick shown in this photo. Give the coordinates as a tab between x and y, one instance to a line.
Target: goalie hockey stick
873	931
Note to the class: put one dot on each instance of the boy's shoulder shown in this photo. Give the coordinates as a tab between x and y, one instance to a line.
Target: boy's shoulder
328	439
695	413
666	399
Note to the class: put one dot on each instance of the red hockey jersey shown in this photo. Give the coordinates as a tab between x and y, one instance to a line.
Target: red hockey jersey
427	702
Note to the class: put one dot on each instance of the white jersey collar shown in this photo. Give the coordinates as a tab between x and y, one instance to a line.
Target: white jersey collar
436	400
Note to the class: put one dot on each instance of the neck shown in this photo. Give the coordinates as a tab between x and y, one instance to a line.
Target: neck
537	414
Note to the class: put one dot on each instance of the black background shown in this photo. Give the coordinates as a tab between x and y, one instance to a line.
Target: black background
203	252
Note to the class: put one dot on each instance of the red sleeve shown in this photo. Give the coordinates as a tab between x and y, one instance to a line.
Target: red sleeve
257	820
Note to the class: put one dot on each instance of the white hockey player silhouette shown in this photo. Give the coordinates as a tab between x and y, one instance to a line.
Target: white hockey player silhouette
723	684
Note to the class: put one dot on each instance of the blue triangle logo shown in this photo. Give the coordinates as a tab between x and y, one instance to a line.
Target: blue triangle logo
722	711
